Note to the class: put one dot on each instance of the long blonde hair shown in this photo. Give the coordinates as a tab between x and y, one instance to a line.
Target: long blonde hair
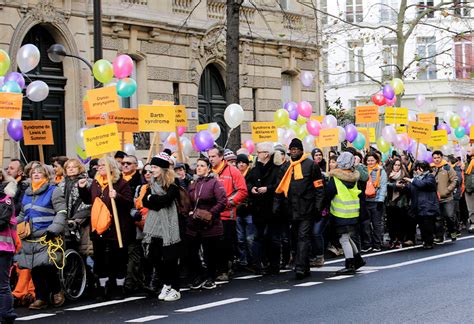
166	178
114	168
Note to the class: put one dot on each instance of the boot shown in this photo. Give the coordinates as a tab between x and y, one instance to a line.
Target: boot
358	261
349	269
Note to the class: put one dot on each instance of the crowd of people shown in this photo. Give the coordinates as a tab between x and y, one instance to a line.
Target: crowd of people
229	212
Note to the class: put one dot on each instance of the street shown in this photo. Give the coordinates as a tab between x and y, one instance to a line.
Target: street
397	286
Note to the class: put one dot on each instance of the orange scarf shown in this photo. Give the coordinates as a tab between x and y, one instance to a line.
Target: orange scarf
58	179
470	167
35	185
217	170
244	174
18	179
443	162
139	200
296	171
102	181
377	177
128	177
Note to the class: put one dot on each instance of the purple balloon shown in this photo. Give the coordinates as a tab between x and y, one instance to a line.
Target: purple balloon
388	92
428	157
290	106
15	129
468	128
16	77
203	140
445	127
351	132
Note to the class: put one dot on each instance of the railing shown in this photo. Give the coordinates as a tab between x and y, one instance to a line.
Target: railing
292	21
182	6
136	2
216	9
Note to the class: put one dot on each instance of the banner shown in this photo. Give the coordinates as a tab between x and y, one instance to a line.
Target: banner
328	137
38	132
419	131
11	105
125	138
126	120
101	140
438	138
264	132
157	118
367	114
401	129
396	115
201	127
181	117
427	118
318	118
102	100
363	130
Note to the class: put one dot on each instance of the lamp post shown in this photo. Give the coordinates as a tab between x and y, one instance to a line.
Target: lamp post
57	53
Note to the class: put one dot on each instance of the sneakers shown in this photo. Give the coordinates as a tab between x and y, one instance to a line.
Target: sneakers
408	243
223	277
333	250
164	292
438	241
454	237
366	250
197	283
317	262
376	249
471	229
172	295
209	284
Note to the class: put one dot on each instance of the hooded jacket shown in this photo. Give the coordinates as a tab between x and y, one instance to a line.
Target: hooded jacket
349	179
424	200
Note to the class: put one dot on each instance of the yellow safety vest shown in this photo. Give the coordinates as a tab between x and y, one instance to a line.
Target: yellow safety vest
346	203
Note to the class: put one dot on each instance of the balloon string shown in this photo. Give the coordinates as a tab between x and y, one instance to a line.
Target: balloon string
228	138
21	151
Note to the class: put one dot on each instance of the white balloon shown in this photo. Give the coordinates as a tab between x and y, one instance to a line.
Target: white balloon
342	134
129	149
80	138
308	143
37	91
186	145
464	140
27	58
215	130
234	115
447	116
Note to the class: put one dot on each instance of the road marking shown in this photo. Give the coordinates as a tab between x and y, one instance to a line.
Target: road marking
340	277
285	270
146	319
248	277
366	271
210	305
327	269
107	303
33	317
221	282
184	289
272	292
308	284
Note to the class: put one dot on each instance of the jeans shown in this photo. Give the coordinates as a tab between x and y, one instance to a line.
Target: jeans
302	230
210	249
447	216
372	234
245	238
470	205
318	246
228	247
6	298
427	228
267	244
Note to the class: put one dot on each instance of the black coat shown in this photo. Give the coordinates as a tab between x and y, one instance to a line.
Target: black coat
305	200
135	182
424	198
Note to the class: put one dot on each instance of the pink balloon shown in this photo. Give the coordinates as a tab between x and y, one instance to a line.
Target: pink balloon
313	127
249	145
391	102
181	130
123	66
304	109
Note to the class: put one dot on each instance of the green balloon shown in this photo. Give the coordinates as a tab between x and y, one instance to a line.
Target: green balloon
103	71
359	141
383	145
460	132
4	62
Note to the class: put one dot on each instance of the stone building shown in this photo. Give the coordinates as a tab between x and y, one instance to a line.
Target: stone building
178	47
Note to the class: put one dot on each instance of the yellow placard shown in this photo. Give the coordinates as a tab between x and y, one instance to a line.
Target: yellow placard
11	105
328	137
264	132
201	127
126	119
419	131
401	129
38	132
157	118
471	134
438	138
101	140
181	117
427	118
126	138
363	130
396	115
102	100
367	114
318	118
95	120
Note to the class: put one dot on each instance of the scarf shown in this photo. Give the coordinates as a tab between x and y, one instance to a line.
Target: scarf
295	169
139	200
128	177
244	174
377	177
35	185
217	170
162	223
395	176
58	179
470	166
434	165
102	181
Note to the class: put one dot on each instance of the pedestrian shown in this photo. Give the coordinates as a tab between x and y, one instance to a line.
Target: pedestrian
469	187
318	158
204	226
129	172
301	191
58	166
230	157
458	193
16	170
184	179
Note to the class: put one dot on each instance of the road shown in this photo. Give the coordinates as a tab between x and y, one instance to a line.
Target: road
398	286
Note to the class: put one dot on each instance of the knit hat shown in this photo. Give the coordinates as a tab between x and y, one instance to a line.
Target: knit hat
316	150
280	147
243	158
296	143
229	155
345	161
162	160
179	165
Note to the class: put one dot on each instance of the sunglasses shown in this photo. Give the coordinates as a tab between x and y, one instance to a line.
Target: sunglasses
147	171
127	163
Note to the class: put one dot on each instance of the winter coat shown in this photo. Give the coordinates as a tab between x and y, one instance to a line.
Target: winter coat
184	183
348	179
124	203
135	181
305	199
424	199
8	235
458	191
381	190
33	254
402	201
22	185
468	178
446	179
236	190
263	176
207	193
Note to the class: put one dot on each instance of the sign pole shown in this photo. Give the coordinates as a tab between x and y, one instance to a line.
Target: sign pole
327	161
417	146
152	145
114	206
41	153
180	148
2	139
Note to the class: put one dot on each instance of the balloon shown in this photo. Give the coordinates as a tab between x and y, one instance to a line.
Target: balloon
389	134
428	157
306	78
301	133
468	128
351	132
391	102
397	85
455	121
419	100
465	111
203	140
215	130
421	151
388	92
172	140
281	117
181	130
378	99
313	127
445	127
464	140
463	122
11	86
15	129
80	138
129	149
289	135
186	146
126	87
359	141
103	71
2	79
459	132
329	121
15	77
249	145
341	133
447	149
304	108
234	115
402	142
291	108
27	58
308	143
4	62
383	145
294	126
447	116
411	116
301	120
37	91
123	66
164	136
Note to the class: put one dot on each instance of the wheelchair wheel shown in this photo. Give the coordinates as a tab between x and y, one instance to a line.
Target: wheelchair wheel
73	275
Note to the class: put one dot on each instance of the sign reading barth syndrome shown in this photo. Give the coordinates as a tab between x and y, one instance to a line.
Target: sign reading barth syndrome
11	105
264	132
367	114
101	140
328	137
396	116
419	131
38	132
157	118
102	100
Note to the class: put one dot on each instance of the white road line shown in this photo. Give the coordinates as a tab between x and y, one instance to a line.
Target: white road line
326	269
221	282
340	277
184	289
285	270
33	317
210	305
248	277
308	284
146	319
272	292
107	303
366	271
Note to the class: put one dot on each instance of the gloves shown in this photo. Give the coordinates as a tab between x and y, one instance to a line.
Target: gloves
50	236
137	216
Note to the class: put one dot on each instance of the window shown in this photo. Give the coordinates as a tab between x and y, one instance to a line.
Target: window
284	4
132	101
176	93
286	88
254	103
323	6
389	56
389	11
463	57
356	62
354	12
426	5
461	8
426	54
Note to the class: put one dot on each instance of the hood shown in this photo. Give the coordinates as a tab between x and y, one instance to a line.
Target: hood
9	186
345	175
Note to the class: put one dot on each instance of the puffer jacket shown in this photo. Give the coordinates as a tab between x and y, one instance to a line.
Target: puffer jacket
446	179
8	235
33	254
424	200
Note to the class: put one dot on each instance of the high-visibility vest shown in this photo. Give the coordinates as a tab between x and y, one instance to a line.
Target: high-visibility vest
346	203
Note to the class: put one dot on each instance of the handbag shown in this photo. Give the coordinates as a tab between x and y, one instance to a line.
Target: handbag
202	215
23	230
370	189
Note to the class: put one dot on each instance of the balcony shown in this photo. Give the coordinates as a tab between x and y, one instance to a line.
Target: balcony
182	6
135	2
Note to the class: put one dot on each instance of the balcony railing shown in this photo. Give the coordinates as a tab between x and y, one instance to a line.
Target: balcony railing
182	6
136	2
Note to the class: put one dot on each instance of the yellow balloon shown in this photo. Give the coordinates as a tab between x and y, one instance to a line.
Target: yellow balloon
301	133
4	62
397	85
301	120
281	118
103	71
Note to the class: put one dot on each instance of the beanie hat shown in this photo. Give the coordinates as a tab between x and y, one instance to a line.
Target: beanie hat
243	158
162	160
345	161
296	143
316	150
229	155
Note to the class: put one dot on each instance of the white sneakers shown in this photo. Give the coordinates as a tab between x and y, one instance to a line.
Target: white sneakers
169	294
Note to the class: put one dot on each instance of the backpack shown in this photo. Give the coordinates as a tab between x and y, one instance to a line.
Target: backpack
7	210
183	203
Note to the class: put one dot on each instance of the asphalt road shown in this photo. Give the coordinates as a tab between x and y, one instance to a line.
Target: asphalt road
403	286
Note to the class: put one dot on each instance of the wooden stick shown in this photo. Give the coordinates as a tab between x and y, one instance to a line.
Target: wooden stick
41	153
123	141
114	206
2	139
180	148
327	161
417	146
152	144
